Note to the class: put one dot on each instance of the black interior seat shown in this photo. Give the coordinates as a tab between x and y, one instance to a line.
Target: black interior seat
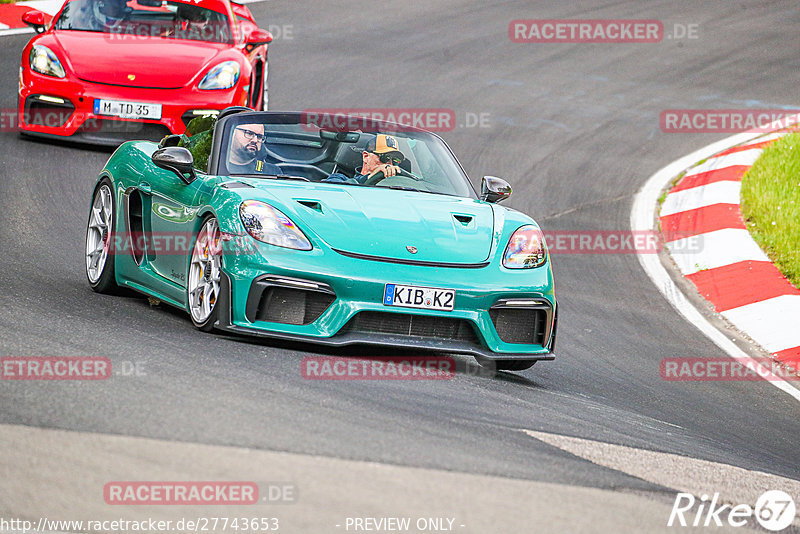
348	156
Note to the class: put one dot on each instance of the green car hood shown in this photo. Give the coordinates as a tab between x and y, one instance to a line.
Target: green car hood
383	222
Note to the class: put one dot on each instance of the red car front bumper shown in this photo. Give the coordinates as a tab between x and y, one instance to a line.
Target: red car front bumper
64	107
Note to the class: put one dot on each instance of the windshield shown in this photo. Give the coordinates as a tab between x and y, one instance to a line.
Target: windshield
285	147
146	18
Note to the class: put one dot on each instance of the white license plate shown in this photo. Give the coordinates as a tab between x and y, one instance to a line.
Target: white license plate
428	298
127	110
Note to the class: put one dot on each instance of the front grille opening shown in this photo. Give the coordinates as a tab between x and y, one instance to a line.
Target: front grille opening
520	325
292	306
109	129
51	115
402	324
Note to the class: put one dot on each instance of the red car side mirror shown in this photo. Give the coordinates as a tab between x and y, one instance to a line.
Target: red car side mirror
258	37
36	19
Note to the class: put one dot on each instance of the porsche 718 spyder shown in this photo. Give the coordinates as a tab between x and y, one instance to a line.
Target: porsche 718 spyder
264	225
105	71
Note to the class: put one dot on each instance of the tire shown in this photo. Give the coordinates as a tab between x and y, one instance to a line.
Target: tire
507	365
99	232
203	278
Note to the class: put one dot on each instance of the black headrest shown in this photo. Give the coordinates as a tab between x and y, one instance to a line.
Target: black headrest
349	154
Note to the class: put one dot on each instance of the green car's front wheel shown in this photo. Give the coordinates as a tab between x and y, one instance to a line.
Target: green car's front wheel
99	234
204	275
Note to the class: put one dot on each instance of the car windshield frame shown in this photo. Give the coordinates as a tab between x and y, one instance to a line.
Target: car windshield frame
449	179
173	20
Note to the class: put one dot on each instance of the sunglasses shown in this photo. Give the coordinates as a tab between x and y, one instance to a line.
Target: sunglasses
250	135
386	158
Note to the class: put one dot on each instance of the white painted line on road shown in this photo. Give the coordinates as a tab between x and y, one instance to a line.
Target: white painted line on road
682	473
714	249
66	472
773	323
745	157
701	196
643	219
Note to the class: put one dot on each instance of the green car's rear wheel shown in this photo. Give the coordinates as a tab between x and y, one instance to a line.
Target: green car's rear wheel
99	237
204	275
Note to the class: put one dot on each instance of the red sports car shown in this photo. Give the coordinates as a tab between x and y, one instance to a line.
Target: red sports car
105	71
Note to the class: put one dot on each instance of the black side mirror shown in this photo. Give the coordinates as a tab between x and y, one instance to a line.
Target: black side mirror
494	189
178	160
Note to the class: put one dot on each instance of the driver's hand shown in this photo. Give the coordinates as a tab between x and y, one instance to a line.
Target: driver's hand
387	170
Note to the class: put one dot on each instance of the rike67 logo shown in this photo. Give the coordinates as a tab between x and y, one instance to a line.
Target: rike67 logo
774	510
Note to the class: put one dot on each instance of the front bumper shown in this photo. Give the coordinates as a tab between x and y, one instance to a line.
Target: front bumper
479	295
64	107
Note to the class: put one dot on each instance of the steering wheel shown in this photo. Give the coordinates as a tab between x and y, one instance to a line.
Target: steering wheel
379	176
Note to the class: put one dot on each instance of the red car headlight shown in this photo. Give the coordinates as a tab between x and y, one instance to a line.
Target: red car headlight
44	61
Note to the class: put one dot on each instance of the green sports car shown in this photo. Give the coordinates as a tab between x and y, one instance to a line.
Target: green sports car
325	229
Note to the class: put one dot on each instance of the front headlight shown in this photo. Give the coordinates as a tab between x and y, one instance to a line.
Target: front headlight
223	76
270	225
44	61
526	249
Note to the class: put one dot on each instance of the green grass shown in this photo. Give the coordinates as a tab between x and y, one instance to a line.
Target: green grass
771	204
7	1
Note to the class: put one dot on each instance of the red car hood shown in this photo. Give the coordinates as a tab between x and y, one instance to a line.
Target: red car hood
152	61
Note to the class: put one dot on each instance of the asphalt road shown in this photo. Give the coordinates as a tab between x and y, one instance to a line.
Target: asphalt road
573	127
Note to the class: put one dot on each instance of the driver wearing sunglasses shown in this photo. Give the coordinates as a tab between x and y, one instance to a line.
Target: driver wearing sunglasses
382	154
246	145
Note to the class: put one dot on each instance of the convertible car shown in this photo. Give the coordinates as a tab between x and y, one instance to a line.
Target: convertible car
105	71
267	224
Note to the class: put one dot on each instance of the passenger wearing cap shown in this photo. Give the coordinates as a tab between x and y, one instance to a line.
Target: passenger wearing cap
382	154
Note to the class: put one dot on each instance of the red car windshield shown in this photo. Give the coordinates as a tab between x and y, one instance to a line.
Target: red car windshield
146	18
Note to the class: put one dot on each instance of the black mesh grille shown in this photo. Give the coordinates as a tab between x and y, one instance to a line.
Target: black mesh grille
412	325
292	306
517	325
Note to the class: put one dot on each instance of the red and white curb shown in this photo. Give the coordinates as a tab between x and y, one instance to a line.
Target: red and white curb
713	249
723	261
11	14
